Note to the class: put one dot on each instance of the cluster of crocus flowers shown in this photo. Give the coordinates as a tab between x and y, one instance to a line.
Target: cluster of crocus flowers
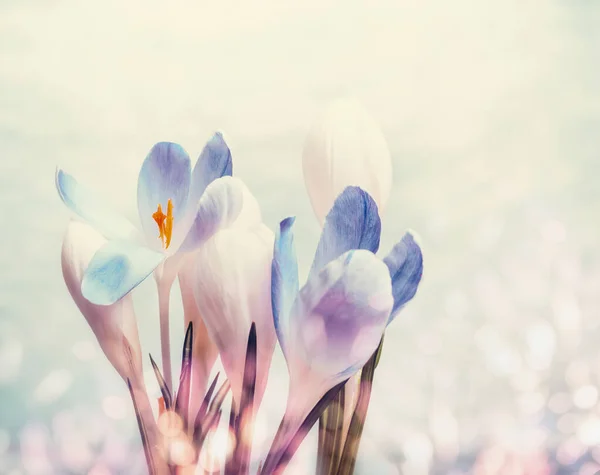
241	292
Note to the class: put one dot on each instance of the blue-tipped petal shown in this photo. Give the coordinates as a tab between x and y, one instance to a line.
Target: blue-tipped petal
214	162
352	223
405	262
339	316
284	277
116	268
226	202
92	209
165	174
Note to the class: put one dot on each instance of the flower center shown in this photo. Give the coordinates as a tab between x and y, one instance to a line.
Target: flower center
164	223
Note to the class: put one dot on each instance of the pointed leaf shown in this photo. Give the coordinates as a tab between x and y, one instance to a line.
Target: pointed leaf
239	463
204	406
202	428
164	390
182	402
212	423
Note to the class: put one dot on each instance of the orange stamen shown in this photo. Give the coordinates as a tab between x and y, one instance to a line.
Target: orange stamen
164	223
169	224
160	217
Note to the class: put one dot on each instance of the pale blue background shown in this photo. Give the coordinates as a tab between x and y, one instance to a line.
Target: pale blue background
492	113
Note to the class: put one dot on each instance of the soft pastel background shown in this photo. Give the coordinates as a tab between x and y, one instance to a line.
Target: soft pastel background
492	113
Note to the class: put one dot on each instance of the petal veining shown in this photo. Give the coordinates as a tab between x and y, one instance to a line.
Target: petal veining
352	223
405	262
165	175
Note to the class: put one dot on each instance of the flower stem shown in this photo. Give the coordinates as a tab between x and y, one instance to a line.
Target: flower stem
321	441
348	459
151	439
292	432
164	293
330	435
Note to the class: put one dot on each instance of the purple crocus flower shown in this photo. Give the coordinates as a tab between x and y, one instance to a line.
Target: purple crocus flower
329	328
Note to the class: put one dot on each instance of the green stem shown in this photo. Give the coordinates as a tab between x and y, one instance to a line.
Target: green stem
348	460
332	426
321	443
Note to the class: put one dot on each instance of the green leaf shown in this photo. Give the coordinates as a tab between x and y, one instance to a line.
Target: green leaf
212	422
182	401
166	394
239	463
205	402
204	425
348	459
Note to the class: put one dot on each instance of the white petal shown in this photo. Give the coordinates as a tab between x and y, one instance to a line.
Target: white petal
226	202
110	323
346	147
233	289
93	209
204	351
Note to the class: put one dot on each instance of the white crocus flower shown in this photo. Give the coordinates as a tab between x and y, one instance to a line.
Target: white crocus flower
345	147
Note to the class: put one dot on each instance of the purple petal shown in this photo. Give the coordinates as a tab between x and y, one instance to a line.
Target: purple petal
352	223
284	277
165	175
405	262
339	316
214	162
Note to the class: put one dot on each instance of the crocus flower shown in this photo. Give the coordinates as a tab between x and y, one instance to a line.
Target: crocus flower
173	218
331	327
168	193
113	325
233	289
345	147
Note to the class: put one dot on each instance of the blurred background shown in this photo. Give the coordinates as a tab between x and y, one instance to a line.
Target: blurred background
491	111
